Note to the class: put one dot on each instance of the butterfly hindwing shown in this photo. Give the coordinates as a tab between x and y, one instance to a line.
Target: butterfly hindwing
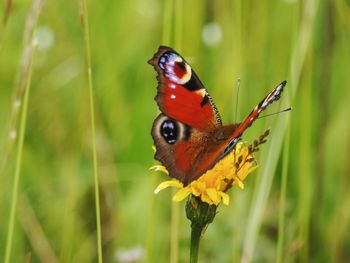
178	147
181	95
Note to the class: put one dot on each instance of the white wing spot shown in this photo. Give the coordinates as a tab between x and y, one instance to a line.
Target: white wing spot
201	92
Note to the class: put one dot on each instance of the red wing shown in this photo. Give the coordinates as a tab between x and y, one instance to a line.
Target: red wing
178	147
181	95
209	159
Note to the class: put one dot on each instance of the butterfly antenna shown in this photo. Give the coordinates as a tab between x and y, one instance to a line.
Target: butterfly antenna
267	115
238	86
236	115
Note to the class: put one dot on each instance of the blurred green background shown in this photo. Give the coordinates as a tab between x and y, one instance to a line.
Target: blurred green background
307	219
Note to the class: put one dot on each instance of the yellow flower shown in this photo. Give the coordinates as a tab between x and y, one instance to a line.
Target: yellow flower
211	187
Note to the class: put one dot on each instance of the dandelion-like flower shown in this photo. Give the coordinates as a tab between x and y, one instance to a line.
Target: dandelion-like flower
211	187
209	190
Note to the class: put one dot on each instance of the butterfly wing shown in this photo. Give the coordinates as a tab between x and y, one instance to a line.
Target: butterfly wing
188	134
178	147
181	95
213	155
195	152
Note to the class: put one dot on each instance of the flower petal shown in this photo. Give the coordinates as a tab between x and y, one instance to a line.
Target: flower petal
239	182
206	198
252	169
225	198
181	194
154	148
213	195
197	187
166	184
159	168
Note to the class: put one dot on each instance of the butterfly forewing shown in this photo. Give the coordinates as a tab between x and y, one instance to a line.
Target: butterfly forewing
181	95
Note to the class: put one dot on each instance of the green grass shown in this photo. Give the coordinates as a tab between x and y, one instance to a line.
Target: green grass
14	191
85	22
294	208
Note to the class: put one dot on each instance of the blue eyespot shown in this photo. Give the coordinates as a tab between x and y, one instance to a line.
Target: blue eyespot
166	58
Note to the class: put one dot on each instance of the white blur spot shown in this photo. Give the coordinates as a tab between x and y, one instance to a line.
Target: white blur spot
201	92
172	96
172	85
63	73
35	42
212	34
134	254
44	38
12	134
149	10
16	104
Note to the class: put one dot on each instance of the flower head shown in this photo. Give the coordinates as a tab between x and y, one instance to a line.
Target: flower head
211	187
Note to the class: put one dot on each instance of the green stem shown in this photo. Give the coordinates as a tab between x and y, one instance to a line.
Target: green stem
22	128
201	215
93	130
196	233
281	219
174	233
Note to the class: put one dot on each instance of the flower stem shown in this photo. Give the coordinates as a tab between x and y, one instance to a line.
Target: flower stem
196	233
200	214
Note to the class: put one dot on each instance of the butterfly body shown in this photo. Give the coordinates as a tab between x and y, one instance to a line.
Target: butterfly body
189	135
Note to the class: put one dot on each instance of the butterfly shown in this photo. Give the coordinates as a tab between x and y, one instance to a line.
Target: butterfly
188	134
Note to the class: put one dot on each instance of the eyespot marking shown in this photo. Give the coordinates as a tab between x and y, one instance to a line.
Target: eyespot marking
175	68
169	131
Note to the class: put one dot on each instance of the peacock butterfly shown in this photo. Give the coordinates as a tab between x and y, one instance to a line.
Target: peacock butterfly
188	133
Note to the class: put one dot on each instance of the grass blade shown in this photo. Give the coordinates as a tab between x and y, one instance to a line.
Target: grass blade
93	130
283	196
18	166
263	190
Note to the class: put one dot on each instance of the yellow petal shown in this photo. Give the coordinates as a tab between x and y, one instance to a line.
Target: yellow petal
197	187
252	169
206	198
239	183
213	195
225	198
154	148
160	168
181	194
166	184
